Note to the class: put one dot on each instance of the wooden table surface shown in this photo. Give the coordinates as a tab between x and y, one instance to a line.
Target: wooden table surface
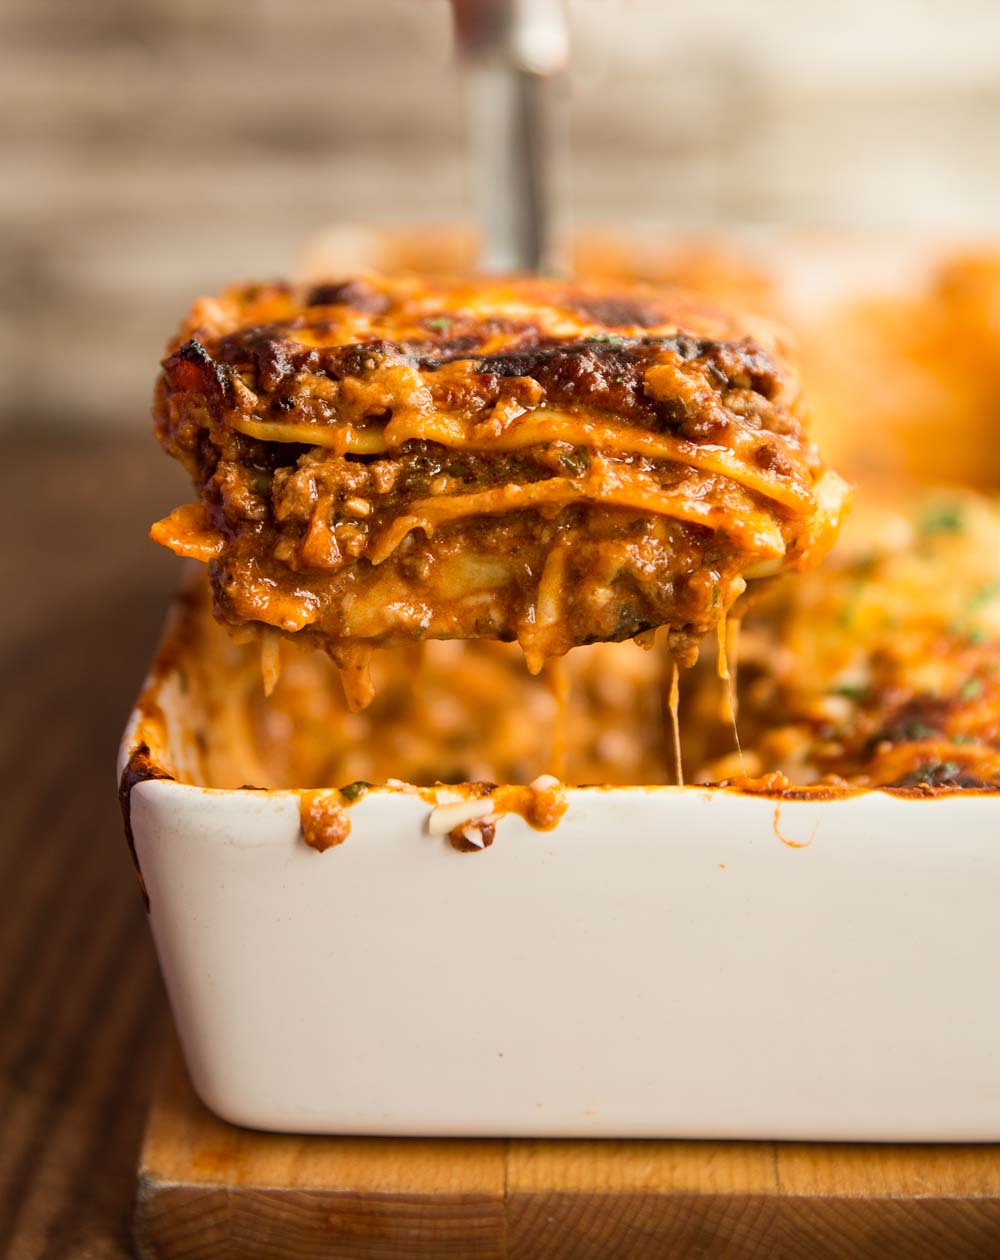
82	1013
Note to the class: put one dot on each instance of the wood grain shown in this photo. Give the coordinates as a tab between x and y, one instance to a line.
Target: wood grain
208	1189
918	1201
640	1199
82	1009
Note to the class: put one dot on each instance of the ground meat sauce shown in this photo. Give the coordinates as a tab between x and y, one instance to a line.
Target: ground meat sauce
380	461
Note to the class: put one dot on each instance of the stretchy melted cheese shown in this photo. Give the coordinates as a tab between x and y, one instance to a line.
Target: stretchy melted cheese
383	461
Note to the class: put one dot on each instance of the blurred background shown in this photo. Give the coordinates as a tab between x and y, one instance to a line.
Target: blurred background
154	149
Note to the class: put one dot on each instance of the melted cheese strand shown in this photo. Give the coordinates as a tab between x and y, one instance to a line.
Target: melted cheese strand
728	632
722	666
270	659
540	427
536	429
548	611
752	529
557	681
342	439
354	661
673	707
733	625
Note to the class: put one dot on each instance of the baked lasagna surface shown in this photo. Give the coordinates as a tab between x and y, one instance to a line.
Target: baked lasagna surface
382	461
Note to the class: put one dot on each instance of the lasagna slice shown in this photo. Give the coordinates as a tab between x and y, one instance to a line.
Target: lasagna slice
385	460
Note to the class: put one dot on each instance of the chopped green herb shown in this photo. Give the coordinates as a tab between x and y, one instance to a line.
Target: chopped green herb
964	739
860	575
985	595
936	774
611	338
619	380
440	323
971	689
849	691
576	461
354	791
976	635
943	519
900	733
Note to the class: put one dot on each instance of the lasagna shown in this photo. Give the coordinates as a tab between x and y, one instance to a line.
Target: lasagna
381	461
883	669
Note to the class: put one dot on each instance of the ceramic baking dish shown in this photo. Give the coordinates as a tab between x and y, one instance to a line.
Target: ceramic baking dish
666	962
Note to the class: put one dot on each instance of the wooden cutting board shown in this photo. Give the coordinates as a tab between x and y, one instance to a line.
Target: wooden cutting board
208	1190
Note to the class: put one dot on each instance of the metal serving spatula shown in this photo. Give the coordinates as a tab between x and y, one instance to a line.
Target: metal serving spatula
512	50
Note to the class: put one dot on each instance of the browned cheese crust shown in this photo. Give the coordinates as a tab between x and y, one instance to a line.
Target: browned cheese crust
882	670
386	460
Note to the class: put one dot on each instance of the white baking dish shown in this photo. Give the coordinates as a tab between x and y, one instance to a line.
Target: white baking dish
664	963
